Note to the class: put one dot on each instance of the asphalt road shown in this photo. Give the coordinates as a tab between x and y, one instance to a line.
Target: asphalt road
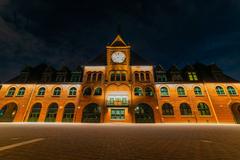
119	142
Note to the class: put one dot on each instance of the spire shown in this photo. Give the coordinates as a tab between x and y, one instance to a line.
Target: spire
118	42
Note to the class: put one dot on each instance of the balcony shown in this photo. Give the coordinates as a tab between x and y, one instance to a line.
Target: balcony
116	103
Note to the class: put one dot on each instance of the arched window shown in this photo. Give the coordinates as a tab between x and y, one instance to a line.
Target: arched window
89	77
73	91
198	91
94	77
203	109
118	76
231	91
144	113
149	92
52	113
8	112
11	92
57	91
147	76
138	91
113	77
87	91
99	77
123	76
41	91
35	112
142	76
164	91
21	91
98	91
136	77
185	109
91	113
68	113
220	90
181	91
167	109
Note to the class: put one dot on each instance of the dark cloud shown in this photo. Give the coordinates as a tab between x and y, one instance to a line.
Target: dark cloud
167	32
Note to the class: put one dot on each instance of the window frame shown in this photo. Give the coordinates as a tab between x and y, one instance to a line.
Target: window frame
169	109
21	92
136	91
196	92
58	93
220	91
38	93
70	93
10	91
167	91
182	91
230	92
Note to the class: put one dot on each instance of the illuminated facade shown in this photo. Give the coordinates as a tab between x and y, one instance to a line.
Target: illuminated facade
119	86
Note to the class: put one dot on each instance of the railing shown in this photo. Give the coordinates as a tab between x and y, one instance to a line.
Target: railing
117	103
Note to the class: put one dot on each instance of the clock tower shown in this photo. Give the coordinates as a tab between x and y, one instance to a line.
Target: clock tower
118	61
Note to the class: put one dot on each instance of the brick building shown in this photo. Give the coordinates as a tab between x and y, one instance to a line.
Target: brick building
120	86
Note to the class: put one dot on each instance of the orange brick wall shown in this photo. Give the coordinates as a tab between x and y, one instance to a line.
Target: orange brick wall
220	106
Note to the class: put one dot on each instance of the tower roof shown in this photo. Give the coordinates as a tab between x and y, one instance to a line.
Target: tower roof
118	42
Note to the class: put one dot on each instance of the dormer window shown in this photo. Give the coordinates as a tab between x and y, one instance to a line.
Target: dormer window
60	78
192	76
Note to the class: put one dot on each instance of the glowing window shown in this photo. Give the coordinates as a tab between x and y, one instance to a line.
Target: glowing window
98	91
57	91
21	91
231	91
164	91
220	90
72	91
203	109
181	91
11	92
41	91
192	76
198	91
138	91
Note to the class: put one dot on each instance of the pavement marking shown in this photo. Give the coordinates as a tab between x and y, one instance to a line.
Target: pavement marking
206	141
15	138
20	144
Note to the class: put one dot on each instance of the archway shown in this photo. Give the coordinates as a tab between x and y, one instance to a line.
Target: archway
144	113
35	112
68	114
8	112
91	114
236	112
52	113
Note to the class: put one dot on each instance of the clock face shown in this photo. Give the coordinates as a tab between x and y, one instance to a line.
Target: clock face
118	57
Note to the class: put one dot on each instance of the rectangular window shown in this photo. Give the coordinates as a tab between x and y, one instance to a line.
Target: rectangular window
195	76
117	114
112	77
123	77
118	77
75	78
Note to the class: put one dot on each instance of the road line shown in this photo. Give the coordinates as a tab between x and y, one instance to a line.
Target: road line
20	144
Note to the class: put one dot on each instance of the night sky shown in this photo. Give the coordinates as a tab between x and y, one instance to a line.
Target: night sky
68	32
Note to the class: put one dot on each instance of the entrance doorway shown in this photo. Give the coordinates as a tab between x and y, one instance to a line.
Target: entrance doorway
144	114
91	114
8	112
236	112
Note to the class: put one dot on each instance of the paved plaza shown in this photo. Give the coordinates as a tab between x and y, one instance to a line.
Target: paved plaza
119	142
